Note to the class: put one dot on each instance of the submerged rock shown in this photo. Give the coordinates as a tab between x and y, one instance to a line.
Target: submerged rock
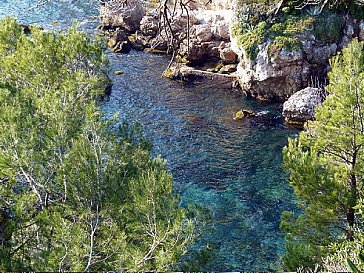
118	72
301	106
244	113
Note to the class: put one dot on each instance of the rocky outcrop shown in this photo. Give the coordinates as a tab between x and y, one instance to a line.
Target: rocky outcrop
301	106
209	39
212	5
149	25
119	42
276	75
207	25
124	15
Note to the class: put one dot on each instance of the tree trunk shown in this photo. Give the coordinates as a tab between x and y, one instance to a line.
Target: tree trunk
350	215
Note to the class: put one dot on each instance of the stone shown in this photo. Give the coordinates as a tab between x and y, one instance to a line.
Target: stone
301	106
227	69
118	72
349	30
114	14
239	115
244	113
182	21
119	42
228	56
221	30
211	5
202	33
195	53
323	53
361	30
159	43
213	50
345	41
149	26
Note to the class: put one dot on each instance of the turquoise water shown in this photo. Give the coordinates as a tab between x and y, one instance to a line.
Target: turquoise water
230	167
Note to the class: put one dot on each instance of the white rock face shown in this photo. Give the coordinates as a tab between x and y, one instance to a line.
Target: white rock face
202	32
302	104
361	30
279	73
221	30
149	25
211	5
128	17
271	75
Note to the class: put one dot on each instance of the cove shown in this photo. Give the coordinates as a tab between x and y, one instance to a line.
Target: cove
230	167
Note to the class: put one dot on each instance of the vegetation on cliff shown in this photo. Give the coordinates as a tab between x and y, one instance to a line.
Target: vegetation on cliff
286	24
325	168
77	192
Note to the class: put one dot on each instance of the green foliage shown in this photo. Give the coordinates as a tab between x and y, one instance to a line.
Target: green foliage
77	192
325	166
346	255
328	27
251	39
282	34
287	28
286	33
357	11
10	32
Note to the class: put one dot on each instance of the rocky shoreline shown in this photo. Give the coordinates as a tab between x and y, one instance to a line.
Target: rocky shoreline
207	48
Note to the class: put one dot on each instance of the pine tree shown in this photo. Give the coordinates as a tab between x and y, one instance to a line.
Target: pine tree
77	192
325	166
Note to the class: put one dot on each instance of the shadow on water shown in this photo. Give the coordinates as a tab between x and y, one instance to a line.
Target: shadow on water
230	167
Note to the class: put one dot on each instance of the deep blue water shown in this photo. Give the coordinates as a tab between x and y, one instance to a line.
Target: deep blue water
230	167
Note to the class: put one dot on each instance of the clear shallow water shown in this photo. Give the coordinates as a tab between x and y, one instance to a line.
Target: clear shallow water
231	167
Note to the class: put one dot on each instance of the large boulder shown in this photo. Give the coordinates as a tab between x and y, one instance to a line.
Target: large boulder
119	14
221	30
149	25
301	106
276	73
202	33
227	55
199	52
271	75
181	21
119	42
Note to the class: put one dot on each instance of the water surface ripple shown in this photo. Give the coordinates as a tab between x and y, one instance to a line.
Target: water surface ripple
230	167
